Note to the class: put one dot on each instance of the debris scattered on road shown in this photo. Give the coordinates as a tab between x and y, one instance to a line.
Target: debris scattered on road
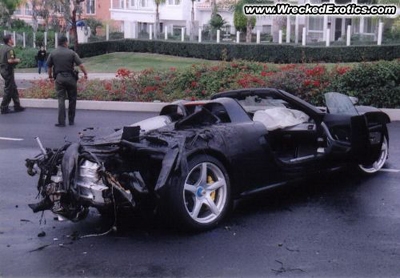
283	269
40	248
292	250
25	220
41	234
74	235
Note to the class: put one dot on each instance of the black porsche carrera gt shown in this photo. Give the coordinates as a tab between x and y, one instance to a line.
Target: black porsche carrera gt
194	159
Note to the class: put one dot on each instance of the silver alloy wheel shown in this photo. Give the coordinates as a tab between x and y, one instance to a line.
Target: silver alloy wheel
378	164
205	192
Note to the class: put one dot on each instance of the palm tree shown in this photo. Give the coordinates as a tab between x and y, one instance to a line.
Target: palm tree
213	7
242	22
157	27
76	6
39	8
7	8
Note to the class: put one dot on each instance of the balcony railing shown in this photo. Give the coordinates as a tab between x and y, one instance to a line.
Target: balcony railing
132	5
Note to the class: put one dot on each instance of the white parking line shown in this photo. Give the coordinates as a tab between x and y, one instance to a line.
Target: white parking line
11	139
390	170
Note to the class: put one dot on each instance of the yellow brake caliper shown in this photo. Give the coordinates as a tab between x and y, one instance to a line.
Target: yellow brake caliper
209	182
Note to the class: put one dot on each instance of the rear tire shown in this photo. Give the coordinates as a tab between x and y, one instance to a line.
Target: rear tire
199	200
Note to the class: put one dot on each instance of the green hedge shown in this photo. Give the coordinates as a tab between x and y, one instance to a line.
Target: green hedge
275	53
27	56
376	84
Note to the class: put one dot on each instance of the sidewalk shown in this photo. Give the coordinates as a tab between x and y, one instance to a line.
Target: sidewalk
44	75
23	78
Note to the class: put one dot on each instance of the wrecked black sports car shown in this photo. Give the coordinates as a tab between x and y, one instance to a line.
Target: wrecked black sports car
194	159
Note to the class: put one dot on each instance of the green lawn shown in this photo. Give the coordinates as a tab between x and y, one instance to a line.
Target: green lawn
138	61
110	63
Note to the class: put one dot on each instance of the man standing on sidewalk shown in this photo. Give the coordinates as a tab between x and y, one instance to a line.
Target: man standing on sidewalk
63	61
8	60
41	59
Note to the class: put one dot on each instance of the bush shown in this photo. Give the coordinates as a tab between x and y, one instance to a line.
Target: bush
376	83
275	53
27	56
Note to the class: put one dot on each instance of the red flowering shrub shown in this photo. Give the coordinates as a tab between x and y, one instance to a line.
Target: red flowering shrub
201	81
307	82
123	73
43	89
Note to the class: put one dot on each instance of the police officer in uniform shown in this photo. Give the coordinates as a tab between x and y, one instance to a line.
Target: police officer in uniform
61	63
8	60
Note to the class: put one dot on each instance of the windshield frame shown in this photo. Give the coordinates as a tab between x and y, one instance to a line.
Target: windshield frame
338	103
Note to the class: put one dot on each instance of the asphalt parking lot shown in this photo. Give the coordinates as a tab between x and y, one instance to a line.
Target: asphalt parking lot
342	225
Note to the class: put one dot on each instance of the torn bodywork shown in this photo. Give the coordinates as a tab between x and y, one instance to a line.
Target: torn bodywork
126	172
193	159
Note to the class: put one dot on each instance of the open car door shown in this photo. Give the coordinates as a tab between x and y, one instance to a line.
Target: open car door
347	130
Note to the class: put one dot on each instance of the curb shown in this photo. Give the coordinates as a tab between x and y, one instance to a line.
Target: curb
394	114
97	105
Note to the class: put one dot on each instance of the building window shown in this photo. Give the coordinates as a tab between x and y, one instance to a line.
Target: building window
58	8
316	23
90	6
174	2
132	3
28	9
266	29
369	25
143	3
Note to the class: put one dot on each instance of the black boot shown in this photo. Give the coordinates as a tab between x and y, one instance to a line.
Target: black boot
5	110
44	204
19	108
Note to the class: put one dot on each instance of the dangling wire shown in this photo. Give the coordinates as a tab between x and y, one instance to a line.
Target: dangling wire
113	227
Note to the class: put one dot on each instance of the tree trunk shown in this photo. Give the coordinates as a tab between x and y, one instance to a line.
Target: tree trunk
74	29
213	7
249	28
277	23
34	16
73	19
157	22
192	23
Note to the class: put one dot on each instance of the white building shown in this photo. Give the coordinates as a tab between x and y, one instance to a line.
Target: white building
139	16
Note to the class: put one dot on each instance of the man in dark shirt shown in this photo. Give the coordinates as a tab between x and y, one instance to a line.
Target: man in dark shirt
41	59
63	60
8	60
